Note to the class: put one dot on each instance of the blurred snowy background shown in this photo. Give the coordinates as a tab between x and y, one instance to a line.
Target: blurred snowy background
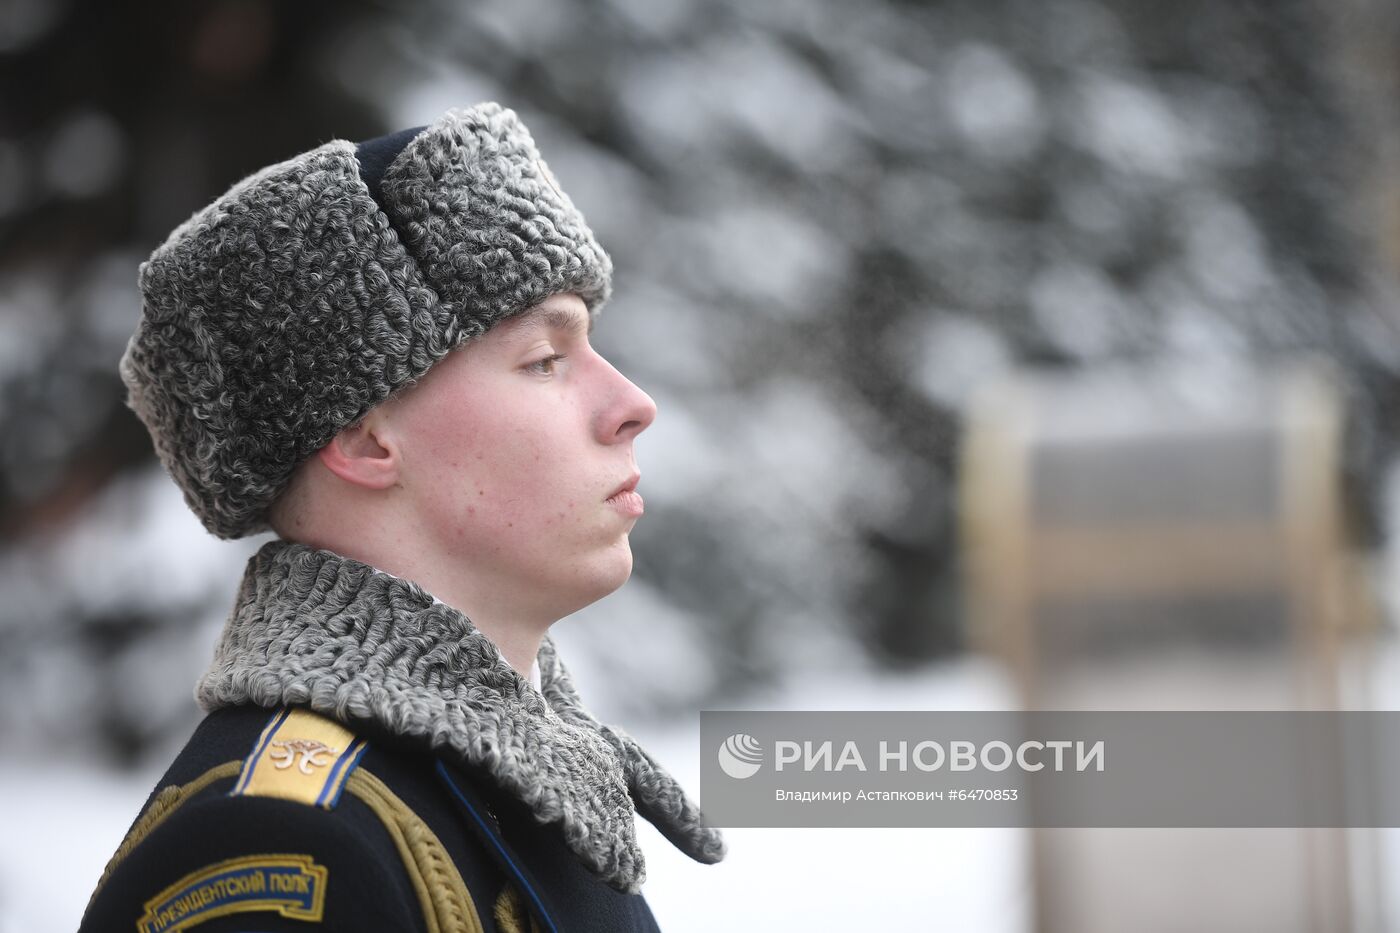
832	224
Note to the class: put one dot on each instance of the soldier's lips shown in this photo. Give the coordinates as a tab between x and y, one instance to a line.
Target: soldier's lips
628	502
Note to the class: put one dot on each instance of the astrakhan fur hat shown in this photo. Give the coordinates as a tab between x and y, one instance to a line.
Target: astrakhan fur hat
314	289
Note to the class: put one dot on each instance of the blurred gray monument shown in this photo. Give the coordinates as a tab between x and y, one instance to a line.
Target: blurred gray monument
1163	538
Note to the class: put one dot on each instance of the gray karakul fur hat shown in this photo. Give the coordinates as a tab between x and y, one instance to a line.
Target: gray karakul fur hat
316	288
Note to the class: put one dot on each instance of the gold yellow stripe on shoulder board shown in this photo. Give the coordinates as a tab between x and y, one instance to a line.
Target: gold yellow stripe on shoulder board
301	756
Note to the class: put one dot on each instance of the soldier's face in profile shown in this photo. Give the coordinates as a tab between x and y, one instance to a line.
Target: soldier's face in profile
513	447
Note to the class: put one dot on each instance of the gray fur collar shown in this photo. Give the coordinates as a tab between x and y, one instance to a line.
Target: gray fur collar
320	630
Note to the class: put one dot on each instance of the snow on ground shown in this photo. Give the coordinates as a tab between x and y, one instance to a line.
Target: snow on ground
59	823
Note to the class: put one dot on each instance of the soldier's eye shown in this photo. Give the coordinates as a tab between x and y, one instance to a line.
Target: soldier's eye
545	366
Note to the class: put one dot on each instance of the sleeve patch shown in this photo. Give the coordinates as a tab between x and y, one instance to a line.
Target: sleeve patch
301	756
292	885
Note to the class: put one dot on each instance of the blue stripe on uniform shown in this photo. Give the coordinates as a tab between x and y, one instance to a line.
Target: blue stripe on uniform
515	869
340	774
251	762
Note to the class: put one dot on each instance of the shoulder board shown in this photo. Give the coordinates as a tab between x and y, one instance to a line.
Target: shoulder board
301	756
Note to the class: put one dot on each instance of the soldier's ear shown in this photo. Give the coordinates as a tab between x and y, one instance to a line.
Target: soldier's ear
366	453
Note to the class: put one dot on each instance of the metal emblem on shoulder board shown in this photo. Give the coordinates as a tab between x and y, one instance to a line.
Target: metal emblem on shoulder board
305	753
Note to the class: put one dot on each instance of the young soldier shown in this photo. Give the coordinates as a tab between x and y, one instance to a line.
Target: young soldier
381	352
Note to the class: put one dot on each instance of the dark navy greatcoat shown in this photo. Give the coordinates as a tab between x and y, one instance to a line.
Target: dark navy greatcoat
220	861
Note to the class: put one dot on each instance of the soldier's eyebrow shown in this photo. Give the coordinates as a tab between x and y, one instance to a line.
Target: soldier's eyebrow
570	322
